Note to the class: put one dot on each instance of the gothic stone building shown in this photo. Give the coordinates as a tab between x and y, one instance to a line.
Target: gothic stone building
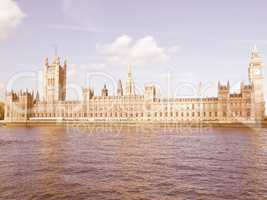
246	106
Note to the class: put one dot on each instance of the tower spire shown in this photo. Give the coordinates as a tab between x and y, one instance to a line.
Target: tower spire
129	70
130	89
254	50
119	88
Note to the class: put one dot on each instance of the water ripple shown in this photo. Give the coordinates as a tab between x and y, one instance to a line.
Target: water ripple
132	163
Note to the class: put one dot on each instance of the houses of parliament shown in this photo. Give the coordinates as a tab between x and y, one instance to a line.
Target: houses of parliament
246	106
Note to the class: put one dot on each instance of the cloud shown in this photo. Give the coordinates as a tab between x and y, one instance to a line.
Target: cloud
174	49
10	17
125	50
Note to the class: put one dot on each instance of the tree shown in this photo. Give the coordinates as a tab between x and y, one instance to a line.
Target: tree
2	110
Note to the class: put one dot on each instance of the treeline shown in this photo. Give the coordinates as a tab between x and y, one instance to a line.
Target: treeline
2	110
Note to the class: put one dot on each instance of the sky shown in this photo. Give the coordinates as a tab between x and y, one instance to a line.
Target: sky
172	44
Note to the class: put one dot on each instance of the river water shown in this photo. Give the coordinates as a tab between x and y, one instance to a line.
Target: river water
133	162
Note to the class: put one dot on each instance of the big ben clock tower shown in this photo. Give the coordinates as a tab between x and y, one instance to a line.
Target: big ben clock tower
256	79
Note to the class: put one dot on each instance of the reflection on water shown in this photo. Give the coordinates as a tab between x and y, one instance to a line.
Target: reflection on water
132	163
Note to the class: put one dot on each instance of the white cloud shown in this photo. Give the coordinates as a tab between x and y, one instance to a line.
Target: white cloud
125	50
174	49
10	17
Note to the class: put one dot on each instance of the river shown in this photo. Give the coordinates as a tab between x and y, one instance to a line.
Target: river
132	162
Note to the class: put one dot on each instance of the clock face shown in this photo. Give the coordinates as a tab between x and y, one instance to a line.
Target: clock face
257	71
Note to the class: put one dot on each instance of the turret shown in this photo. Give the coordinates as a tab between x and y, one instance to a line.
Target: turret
37	98
150	93
104	92
88	94
65	64
46	62
223	90
223	101
246	91
130	88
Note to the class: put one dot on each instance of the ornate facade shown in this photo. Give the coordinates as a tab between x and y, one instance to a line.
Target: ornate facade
246	106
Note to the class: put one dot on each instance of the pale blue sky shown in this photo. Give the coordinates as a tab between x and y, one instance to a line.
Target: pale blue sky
202	40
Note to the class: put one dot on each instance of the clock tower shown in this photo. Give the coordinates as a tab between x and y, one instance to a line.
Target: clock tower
256	79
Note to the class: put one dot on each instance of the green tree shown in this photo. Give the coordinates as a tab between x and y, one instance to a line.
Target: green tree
2	110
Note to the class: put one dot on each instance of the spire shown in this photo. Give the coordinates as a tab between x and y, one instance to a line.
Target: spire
228	85
56	57
130	89
255	50
241	84
119	88
37	96
199	89
105	91
129	71
119	84
46	61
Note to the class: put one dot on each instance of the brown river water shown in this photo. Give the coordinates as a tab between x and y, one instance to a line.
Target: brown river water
134	162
